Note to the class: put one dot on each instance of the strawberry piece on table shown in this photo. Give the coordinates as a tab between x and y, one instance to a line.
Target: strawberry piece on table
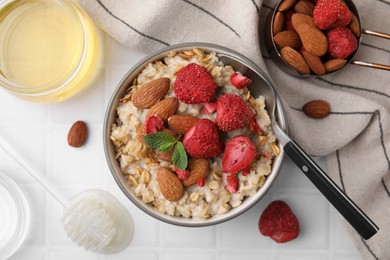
232	112
279	222
239	81
202	140
238	155
341	42
194	84
153	124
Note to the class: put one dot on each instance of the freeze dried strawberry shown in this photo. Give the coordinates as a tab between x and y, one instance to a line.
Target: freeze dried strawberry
183	175
232	112
341	42
239	81
239	154
194	84
202	140
232	183
153	124
279	222
254	126
209	108
331	13
201	182
288	26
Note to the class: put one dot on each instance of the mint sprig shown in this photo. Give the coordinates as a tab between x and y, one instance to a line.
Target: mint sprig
164	142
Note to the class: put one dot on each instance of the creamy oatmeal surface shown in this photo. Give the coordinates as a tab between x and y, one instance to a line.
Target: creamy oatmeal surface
140	163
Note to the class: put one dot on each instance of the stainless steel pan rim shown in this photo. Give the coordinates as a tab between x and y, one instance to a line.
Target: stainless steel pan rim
110	151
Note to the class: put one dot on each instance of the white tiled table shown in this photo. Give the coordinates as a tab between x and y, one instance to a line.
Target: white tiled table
39	132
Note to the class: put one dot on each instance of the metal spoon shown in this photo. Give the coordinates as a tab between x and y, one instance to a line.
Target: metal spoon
261	85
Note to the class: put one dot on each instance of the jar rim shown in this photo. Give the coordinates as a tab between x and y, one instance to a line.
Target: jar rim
47	88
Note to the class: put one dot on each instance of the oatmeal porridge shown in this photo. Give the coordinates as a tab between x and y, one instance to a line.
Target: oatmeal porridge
214	142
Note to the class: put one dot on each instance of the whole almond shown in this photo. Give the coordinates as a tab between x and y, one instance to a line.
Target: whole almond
199	168
278	22
150	93
295	59
171	186
333	65
354	25
316	109
313	40
314	62
181	123
288	38
286	4
77	134
298	19
304	7
165	108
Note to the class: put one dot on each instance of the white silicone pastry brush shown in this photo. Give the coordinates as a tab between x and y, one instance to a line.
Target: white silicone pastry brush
94	219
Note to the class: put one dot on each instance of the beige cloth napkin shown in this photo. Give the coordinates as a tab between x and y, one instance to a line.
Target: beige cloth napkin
355	137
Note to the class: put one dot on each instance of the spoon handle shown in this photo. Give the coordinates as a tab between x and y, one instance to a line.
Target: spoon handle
350	211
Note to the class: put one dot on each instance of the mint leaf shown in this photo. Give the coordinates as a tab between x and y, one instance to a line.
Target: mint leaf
179	156
158	139
166	147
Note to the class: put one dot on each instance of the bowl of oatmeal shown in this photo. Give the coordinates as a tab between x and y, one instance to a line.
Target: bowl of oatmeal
187	135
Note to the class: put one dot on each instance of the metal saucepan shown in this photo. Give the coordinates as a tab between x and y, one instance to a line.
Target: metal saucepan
261	85
277	57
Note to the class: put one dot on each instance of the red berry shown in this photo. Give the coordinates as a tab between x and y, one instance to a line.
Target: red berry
232	183
183	175
202	140
288	26
209	108
232	112
200	182
341	42
279	222
153	124
239	81
194	85
331	13
239	154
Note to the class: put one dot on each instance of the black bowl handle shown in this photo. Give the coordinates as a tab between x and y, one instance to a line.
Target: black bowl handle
350	211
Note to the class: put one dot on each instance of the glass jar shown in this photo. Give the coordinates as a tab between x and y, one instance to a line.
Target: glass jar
49	49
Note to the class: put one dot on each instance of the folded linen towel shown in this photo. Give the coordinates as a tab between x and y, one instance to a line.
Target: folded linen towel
355	137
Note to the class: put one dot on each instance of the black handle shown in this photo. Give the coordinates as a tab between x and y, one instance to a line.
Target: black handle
350	211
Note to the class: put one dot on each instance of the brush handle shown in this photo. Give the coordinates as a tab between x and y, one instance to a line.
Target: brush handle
38	177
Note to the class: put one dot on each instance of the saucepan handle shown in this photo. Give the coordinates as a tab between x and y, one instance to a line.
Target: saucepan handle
370	64
350	211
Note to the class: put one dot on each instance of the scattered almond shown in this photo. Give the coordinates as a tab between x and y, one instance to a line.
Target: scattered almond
171	186
288	38
286	4
77	134
295	59
278	22
304	7
298	19
314	62
333	65
354	25
316	109
150	93
165	108
181	123
199	168
313	40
